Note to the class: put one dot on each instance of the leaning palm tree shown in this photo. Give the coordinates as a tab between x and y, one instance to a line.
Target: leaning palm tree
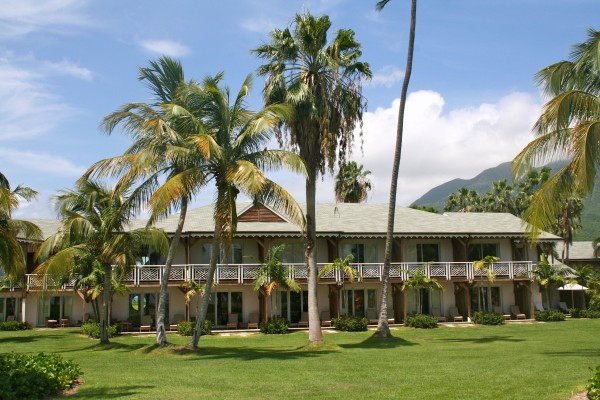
322	81
238	138
352	184
94	230
12	259
569	128
383	328
166	167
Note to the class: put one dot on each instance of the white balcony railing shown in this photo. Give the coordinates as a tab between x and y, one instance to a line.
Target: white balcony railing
246	273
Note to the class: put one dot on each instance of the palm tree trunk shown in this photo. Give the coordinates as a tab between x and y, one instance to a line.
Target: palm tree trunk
315	335
104	321
208	291
383	329
161	335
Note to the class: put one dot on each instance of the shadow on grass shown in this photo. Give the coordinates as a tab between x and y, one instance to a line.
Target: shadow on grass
251	353
376	342
26	339
575	353
97	346
483	340
112	392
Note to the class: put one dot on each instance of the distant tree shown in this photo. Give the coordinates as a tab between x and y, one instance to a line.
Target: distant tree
568	222
424	208
352	184
464	200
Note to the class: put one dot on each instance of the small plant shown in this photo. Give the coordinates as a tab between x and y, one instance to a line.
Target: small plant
421	321
593	388
277	327
15	326
549	316
350	324
26	376
92	329
487	318
576	312
186	328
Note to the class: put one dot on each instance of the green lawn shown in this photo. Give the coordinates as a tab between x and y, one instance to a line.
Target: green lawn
516	361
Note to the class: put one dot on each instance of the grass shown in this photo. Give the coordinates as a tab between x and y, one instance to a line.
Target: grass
515	361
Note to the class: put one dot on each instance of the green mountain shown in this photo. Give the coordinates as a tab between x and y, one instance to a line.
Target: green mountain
482	183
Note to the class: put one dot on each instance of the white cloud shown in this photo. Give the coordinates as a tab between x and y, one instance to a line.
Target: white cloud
40	162
166	47
387	76
20	17
69	69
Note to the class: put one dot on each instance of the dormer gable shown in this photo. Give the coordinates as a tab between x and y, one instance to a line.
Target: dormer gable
259	213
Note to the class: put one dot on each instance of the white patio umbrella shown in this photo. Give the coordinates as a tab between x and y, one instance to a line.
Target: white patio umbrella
573	287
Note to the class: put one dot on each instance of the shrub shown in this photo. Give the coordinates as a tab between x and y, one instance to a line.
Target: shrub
350	324
92	329
15	326
549	316
277	327
35	376
590	313
593	388
488	318
594	303
421	321
187	328
576	312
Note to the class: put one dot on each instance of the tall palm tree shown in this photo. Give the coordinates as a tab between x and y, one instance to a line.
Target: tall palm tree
12	259
352	184
383	329
165	165
464	200
238	138
94	229
569	127
322	81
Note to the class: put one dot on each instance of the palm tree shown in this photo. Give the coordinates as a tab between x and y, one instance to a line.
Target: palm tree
485	264
322	81
464	200
549	276
568	128
12	259
166	166
94	230
190	290
274	274
352	184
419	280
238	138
383	329
500	198
345	269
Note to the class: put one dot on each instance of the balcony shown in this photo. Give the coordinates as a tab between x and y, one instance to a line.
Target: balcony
246	273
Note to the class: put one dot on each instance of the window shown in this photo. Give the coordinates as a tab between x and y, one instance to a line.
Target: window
234	257
356	301
293	253
478	251
485	298
428	252
222	304
290	305
363	253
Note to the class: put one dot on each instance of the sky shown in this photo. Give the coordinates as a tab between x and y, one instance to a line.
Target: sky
65	64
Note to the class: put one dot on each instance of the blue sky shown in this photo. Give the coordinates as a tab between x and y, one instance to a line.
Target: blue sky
64	64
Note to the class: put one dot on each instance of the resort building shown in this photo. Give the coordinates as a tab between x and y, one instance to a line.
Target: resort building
442	246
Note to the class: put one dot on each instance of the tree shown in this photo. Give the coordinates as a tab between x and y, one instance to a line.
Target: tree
166	166
94	229
274	274
190	290
383	329
419	280
343	267
568	127
464	200
568	222
549	276
12	259
485	265
352	184
322	81
239	155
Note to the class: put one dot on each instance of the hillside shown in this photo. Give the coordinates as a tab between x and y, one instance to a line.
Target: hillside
482	183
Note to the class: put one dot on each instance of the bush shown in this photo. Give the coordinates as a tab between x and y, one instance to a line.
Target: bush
487	318
187	328
549	316
15	326
35	376
590	313
576	312
350	324
277	327
92	329
593	388
421	321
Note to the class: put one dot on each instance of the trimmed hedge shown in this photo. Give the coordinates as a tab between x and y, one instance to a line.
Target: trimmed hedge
421	321
549	316
92	329
487	318
15	326
350	324
35	376
276	327
187	328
